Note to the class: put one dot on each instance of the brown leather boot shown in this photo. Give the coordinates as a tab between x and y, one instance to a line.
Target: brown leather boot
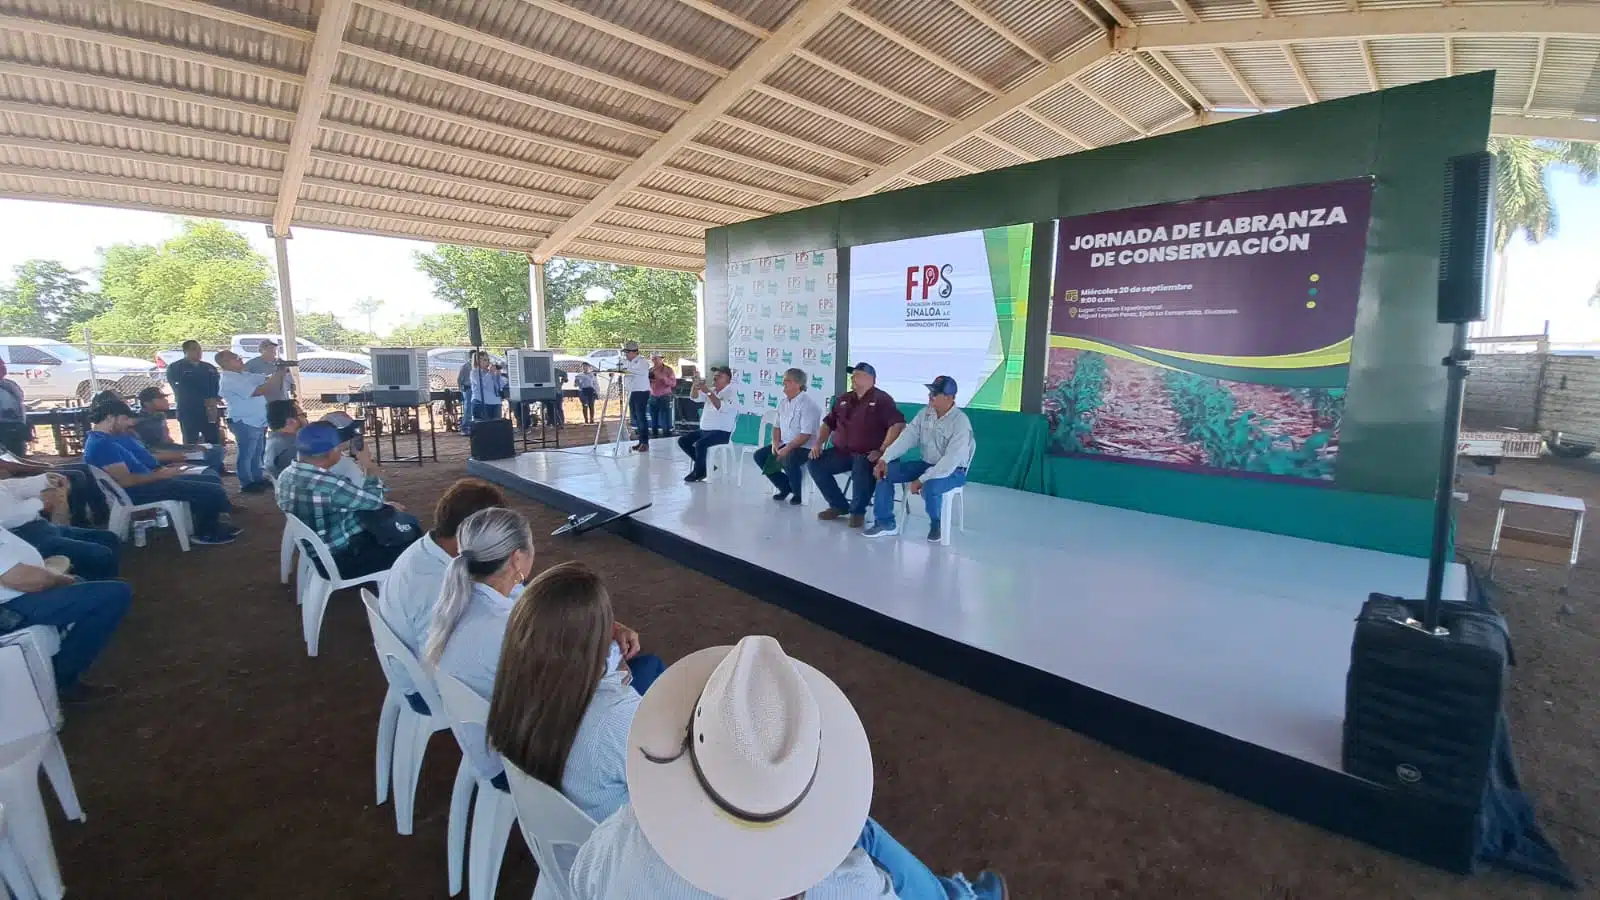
858	521
829	514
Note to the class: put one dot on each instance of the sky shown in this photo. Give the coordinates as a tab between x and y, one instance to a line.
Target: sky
332	270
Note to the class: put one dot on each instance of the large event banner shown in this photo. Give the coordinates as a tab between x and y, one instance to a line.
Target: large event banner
782	314
1212	334
950	304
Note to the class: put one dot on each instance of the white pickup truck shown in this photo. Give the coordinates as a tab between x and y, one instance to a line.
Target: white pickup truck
51	370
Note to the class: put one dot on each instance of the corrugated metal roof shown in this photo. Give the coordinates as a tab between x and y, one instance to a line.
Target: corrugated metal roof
497	123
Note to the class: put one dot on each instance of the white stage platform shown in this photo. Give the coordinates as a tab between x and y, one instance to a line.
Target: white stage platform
1238	632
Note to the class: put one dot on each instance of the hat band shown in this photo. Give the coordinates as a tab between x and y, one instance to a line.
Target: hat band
711	793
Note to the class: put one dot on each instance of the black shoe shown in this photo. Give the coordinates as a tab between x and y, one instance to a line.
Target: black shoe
227	473
795	500
256	487
692	478
934	534
213	540
781	496
87	692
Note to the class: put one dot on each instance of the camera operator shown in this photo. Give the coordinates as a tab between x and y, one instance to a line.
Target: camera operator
267	363
246	396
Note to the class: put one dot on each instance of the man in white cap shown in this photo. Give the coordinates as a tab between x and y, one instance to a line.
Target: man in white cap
636	383
749	778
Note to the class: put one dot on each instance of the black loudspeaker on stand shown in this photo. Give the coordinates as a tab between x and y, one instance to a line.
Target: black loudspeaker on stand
1423	694
474	328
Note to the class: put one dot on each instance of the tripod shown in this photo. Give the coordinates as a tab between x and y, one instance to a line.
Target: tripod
614	388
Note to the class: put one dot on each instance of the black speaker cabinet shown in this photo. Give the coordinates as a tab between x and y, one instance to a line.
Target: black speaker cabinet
474	329
493	439
1420	709
1464	238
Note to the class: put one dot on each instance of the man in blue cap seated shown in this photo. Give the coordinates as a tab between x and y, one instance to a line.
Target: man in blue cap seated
339	510
943	434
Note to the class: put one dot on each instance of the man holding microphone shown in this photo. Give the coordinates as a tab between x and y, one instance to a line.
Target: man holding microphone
863	423
717	420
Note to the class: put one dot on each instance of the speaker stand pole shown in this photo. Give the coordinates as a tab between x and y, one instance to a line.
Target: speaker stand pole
1455	366
613	389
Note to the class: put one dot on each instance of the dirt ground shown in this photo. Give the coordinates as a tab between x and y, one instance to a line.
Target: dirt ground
233	766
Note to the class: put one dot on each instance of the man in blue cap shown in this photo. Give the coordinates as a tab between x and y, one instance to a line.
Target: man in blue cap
942	432
333	505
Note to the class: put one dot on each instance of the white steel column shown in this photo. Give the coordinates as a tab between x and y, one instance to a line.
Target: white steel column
280	243
538	335
700	323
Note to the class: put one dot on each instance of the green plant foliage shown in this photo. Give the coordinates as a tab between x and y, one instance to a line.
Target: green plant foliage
1077	400
1240	441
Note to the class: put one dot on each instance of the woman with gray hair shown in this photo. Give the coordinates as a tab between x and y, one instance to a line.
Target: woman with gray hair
793	438
493	562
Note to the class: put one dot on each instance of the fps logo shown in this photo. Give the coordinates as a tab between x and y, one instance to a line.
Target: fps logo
774	354
929	278
923	311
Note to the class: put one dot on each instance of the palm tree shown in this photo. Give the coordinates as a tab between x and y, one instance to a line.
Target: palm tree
1522	197
368	306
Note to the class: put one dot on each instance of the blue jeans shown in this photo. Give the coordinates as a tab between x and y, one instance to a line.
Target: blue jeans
212	459
791	477
661	414
204	493
92	608
912	880
904	471
639	413
95	553
825	470
699	443
645	669
252	444
466	411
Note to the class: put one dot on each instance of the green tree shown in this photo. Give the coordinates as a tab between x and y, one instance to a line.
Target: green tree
206	283
46	299
655	307
1522	197
323	328
496	282
368	306
437	330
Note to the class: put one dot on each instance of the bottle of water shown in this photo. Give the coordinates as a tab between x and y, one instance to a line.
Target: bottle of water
141	532
162	520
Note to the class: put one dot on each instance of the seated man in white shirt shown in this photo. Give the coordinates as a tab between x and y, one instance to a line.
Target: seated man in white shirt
793	439
717	419
412	591
86	611
943	434
24	502
766	795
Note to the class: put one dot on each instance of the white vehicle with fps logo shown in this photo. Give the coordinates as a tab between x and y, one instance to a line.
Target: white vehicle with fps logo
51	370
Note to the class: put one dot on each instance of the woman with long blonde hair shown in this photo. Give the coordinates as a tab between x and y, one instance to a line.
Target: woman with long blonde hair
561	707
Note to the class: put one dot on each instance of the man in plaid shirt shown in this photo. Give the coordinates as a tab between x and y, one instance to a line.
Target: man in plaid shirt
330	504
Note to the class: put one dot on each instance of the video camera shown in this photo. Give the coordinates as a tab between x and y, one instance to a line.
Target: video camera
350	429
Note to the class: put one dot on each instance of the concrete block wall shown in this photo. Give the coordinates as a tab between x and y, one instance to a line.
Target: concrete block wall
1503	391
1570	401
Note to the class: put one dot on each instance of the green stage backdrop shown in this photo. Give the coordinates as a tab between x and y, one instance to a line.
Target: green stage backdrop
1381	496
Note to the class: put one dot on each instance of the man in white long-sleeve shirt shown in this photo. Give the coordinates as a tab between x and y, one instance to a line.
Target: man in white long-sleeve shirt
636	384
944	435
94	552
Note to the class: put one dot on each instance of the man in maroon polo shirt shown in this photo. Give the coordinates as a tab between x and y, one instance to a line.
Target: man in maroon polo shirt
863	423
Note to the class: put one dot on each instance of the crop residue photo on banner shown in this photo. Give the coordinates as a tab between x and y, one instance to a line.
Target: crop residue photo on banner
782	314
1211	335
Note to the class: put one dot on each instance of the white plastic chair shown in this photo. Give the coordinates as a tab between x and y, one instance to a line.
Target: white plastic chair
738	455
39	644
493	812
27	743
947	506
13	874
403	732
553	828
123	509
286	553
316	587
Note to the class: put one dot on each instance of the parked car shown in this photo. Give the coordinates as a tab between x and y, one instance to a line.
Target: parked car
51	370
444	364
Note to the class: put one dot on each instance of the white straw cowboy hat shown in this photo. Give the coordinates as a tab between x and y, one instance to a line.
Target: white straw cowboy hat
749	771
